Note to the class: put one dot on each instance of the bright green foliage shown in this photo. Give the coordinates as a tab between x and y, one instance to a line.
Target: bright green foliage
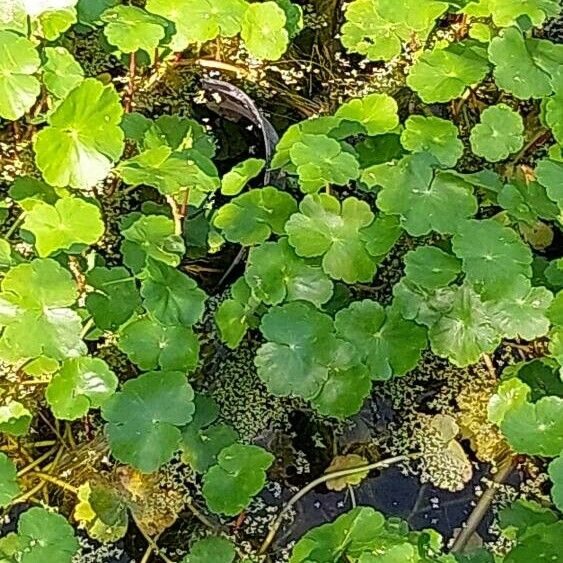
424	198
36	298
556	475
388	344
524	67
80	384
198	21
263	30
549	174
376	112
320	161
114	298
299	343
325	227
235	316
521	313
500	133
169	172
83	137
70	221
430	267
482	247
170	296
437	136
304	358
554	111
235	180
150	344
144	418
507	13
379	28
151	237
15	419
534	428
9	488
203	438
61	72
365	536
542	542
443	74
466	331
19	61
240	474
252	217
131	29
211	550
43	537
381	235
275	273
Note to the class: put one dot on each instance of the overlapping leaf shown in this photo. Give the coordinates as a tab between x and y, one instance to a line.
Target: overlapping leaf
83	138
325	227
144	418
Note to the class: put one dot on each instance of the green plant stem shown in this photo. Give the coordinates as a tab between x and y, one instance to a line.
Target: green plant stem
152	543
201	517
36	462
481	507
19	220
530	144
319	481
56	481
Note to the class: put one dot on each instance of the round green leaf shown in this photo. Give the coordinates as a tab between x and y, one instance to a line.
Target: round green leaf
151	237
83	138
61	72
320	161
441	75
198	21
35	312
211	550
388	344
425	199
555	471
524	67
9	487
466	331
240	474
437	136
143	418
500	133
45	537
275	273
325	227
263	31
494	256
236	179
150	344
521	312
376	112
535	428
19	61
15	419
202	440
79	385
294	360
379	28
170	296
431	268
508	13
252	217
130	29
114	299
58	227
